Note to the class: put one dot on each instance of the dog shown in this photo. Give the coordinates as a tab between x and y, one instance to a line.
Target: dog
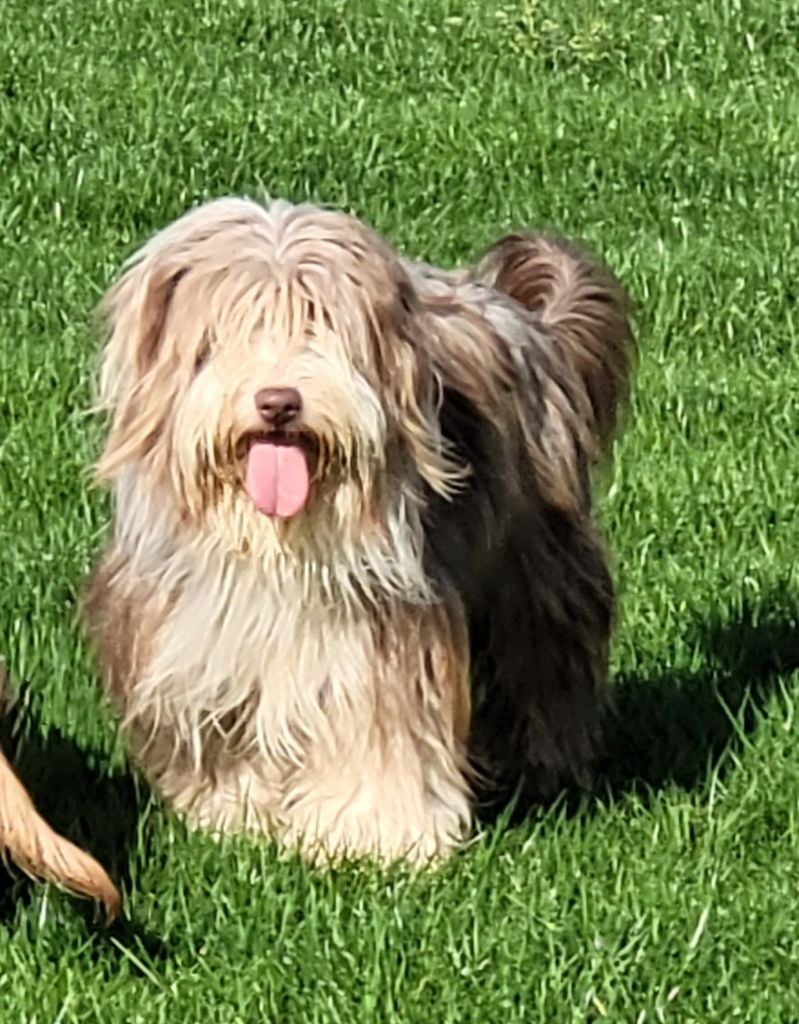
39	851
353	578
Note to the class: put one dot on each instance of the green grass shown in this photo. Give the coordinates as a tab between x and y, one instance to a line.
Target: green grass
667	135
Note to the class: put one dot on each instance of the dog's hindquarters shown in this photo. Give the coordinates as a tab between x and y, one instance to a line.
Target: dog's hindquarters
543	381
543	636
539	598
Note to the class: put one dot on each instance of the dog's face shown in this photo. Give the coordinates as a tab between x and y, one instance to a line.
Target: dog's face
268	365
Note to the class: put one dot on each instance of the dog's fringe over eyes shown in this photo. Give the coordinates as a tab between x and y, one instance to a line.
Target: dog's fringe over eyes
353	573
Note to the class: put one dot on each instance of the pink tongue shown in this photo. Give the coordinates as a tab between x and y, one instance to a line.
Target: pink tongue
277	478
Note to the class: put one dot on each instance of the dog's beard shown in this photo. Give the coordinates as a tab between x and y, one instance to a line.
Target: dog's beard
282	484
344	506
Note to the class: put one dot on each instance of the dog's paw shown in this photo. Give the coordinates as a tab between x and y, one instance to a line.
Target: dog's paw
328	833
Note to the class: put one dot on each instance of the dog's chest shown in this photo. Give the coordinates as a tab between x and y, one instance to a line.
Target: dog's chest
272	655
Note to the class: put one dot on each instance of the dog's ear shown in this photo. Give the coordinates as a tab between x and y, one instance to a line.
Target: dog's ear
134	312
415	392
135	366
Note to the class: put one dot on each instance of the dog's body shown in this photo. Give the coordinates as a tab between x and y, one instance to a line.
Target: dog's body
353	556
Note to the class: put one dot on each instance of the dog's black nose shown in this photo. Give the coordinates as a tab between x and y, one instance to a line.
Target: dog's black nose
278	406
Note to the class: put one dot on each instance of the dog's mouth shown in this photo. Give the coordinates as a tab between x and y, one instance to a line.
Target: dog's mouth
278	470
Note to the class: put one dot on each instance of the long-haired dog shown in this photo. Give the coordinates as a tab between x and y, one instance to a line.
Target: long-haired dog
37	849
353	566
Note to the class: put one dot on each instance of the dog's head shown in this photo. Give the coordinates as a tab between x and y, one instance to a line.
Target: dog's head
267	367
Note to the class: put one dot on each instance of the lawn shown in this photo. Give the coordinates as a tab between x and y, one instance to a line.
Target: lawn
664	133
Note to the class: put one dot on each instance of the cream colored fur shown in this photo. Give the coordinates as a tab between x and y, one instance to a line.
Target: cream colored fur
341	748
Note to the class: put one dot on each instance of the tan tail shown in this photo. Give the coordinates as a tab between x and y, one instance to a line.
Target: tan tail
581	303
44	854
38	850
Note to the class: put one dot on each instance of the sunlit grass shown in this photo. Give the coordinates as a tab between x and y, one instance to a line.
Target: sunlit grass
664	134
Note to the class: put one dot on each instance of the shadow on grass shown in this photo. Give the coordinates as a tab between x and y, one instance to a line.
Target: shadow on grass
670	728
97	811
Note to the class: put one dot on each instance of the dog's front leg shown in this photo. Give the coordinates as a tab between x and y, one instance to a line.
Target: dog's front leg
239	796
383	799
388	778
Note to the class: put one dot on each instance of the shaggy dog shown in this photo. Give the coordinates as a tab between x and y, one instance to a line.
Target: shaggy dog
40	852
353	567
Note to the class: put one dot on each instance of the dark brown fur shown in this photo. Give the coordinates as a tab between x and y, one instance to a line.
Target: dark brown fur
519	543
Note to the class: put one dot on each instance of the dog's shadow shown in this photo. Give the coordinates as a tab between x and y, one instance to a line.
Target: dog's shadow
672	728
96	809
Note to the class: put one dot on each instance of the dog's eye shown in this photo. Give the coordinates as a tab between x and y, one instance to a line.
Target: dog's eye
203	352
